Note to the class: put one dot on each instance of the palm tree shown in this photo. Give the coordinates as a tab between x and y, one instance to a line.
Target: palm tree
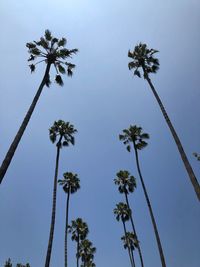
130	241
70	184
79	231
52	51
123	212
8	263
86	252
136	137
63	131
143	58
127	184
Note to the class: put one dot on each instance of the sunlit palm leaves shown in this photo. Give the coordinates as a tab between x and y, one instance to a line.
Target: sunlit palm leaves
143	57
134	135
70	182
78	229
122	212
130	241
63	130
126	182
51	50
86	252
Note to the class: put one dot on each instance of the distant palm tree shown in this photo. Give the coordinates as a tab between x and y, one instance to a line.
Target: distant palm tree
79	231
70	184
127	184
143	57
63	131
136	137
123	212
130	241
8	263
52	51
86	252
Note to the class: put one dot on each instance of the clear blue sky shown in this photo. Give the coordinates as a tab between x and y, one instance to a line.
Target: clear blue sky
101	100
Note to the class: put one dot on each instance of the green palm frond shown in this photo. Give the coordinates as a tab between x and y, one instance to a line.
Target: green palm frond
70	182
143	58
53	52
126	182
122	212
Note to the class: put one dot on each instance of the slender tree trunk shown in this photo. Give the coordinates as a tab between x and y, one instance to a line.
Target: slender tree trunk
162	258
13	146
134	231
129	251
185	160
53	215
77	255
66	227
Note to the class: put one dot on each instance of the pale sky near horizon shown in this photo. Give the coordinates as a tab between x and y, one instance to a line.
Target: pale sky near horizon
100	100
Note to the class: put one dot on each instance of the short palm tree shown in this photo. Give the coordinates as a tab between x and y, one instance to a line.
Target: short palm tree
143	58
8	263
79	231
70	184
52	51
60	133
134	136
123	212
127	184
86	252
130	241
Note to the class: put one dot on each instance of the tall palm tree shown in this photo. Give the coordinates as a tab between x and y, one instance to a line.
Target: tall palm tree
52	51
70	184
86	252
127	184
130	241
62	133
79	231
122	212
135	137
143	58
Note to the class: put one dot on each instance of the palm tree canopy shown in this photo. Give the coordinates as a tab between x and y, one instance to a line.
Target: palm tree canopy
134	135
143	57
52	50
8	263
122	212
62	130
86	251
78	229
130	241
126	182
70	182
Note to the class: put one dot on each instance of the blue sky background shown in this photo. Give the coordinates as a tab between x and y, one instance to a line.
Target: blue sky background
101	100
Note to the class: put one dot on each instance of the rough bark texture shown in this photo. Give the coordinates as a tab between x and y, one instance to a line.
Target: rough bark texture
13	146
162	258
53	215
185	160
134	231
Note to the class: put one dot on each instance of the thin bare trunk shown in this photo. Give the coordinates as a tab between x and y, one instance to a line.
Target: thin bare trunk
162	258
77	255
66	227
185	160
129	250
134	231
53	215
14	145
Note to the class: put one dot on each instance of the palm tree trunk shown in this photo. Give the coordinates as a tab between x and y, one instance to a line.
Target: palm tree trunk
53	215
185	160
13	146
134	231
150	210
77	255
66	227
129	252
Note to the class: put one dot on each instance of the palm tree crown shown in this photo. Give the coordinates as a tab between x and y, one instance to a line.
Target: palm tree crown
130	241
126	182
63	130
122	212
51	51
86	252
143	58
78	229
134	135
70	183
